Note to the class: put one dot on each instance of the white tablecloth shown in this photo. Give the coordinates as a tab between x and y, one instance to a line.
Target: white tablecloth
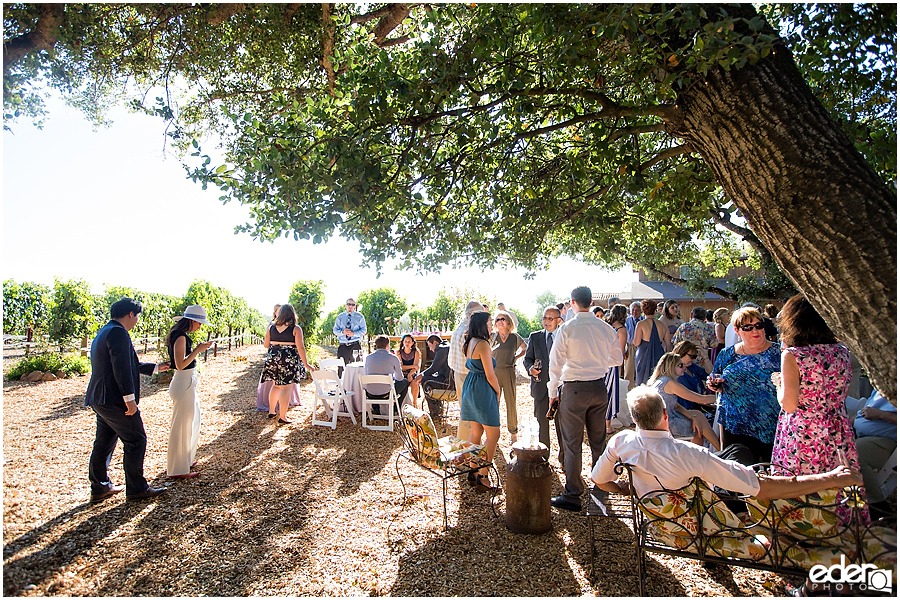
350	381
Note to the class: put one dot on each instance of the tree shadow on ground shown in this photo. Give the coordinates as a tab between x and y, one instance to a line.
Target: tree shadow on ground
40	564
615	568
237	514
65	408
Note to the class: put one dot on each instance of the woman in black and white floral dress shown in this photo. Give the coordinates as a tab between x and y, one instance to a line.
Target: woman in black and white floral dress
284	342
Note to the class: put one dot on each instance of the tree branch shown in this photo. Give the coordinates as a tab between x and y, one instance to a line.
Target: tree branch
723	217
328	46
664	155
390	21
222	12
42	37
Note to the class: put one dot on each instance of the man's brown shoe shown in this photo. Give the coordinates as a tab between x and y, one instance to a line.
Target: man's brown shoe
111	491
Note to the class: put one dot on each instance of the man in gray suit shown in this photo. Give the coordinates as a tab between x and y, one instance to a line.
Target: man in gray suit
539	344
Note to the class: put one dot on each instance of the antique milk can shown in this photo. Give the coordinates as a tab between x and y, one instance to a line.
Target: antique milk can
528	489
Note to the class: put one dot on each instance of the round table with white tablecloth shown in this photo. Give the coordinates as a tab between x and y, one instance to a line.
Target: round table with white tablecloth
350	382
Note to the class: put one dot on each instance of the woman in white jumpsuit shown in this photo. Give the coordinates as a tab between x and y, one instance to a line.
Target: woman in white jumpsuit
184	432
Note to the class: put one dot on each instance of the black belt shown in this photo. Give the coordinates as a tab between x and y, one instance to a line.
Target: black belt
349	343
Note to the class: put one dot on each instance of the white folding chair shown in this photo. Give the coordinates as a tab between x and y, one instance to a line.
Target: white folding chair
368	402
331	363
330	391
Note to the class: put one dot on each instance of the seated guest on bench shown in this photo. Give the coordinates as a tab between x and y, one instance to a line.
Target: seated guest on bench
382	362
876	439
659	460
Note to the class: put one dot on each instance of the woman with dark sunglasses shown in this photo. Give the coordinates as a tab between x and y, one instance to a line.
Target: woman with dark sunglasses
748	406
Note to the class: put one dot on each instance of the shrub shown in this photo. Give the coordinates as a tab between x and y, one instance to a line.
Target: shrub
307	297
25	305
379	305
71	311
70	364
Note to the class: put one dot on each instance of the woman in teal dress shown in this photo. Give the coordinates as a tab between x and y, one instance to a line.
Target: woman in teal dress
479	403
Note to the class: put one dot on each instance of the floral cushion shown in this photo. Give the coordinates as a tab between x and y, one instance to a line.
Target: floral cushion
673	520
812	517
433	452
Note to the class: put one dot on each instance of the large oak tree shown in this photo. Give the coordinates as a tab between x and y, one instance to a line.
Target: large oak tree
513	133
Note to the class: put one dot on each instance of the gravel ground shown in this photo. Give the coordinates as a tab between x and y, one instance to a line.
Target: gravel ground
285	510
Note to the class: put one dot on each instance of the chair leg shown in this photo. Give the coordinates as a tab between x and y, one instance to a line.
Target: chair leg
444	486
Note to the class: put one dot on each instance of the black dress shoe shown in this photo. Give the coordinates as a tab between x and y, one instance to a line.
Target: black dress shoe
148	493
561	502
112	490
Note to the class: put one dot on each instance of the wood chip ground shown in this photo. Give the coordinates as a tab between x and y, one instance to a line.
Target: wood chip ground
292	510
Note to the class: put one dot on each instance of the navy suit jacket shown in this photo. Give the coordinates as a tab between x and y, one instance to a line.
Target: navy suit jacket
115	369
537	349
439	369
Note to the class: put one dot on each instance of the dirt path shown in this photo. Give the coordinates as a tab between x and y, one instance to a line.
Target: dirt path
291	510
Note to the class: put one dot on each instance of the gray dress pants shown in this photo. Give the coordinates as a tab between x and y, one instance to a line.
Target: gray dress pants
582	404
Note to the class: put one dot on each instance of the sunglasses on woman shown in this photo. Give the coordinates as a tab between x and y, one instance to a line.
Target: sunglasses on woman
693	356
500	321
752	327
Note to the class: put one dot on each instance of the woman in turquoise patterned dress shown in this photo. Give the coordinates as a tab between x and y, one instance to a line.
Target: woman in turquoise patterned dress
479	403
748	409
814	433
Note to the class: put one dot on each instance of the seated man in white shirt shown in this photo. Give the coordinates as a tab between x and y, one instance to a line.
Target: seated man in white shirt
382	362
876	439
662	461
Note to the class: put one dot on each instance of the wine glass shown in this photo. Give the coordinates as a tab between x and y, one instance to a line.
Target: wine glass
537	365
356	356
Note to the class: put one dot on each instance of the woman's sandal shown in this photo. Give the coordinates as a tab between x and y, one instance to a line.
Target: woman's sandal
471	478
482	488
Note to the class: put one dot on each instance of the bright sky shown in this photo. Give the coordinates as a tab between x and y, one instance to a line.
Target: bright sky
109	208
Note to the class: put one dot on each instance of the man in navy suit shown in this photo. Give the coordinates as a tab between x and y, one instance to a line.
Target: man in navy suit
113	394
539	344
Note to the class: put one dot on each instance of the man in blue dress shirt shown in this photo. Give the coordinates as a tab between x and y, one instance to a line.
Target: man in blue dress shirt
349	327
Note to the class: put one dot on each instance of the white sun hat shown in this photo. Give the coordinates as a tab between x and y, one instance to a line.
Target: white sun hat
194	312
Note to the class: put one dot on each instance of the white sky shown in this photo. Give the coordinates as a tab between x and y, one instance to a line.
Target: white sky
107	207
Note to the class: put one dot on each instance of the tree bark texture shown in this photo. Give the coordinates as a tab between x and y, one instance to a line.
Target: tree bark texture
810	197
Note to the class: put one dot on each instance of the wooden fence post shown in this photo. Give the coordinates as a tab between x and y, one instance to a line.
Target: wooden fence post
229	338
29	337
206	352
84	345
216	346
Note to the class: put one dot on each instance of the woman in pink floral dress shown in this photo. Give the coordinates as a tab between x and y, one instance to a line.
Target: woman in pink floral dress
814	434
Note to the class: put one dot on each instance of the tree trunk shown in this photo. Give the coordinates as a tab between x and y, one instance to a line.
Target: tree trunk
810	197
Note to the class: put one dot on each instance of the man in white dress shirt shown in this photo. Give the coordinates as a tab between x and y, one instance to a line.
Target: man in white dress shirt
660	460
583	350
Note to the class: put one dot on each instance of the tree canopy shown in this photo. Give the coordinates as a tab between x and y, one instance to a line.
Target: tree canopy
512	133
